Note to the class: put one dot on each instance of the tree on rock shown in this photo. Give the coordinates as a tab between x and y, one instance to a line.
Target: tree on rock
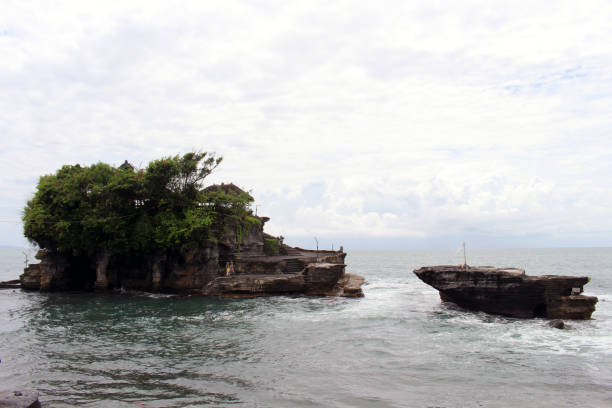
102	211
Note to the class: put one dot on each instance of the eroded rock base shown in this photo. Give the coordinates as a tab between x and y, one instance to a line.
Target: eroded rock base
202	271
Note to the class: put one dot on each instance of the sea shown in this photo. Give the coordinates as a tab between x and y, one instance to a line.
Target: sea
399	346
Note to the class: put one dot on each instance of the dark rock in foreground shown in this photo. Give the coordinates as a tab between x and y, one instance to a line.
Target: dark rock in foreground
510	292
19	399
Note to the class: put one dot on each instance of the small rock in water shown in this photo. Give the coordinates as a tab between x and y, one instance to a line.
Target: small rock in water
557	324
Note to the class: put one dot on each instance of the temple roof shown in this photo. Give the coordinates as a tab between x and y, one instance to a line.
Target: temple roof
230	188
126	166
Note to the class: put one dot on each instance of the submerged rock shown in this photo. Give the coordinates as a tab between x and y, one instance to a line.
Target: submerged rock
557	324
509	292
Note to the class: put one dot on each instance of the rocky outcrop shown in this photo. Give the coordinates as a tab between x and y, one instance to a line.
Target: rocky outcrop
48	275
234	266
318	279
509	292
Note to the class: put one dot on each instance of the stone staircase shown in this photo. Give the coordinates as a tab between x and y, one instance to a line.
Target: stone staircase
292	251
294	266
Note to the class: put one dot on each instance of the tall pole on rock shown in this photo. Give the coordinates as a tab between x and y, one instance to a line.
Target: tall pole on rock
317	241
464	257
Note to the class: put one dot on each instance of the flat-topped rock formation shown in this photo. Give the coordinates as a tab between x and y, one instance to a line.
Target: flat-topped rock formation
509	292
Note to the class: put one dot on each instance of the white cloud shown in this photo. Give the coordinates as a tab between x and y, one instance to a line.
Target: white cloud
414	119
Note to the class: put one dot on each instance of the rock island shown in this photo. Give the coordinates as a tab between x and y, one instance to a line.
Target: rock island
509	292
159	229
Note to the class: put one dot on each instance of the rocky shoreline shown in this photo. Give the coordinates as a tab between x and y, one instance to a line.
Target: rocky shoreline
241	261
303	272
509	292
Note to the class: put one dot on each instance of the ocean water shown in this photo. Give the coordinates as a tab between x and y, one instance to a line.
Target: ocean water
397	347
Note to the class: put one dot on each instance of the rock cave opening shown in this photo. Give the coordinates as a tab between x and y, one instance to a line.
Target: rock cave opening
540	310
81	274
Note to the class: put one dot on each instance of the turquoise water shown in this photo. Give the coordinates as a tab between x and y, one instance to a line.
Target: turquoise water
397	347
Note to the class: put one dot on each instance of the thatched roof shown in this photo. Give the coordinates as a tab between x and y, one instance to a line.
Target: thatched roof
230	188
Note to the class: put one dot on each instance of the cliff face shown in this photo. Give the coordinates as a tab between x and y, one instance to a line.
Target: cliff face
510	292
185	271
51	274
234	266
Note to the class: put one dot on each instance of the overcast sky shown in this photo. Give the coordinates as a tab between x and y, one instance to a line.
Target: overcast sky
398	124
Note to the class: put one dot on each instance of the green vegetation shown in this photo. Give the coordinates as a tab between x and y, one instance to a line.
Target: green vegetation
245	225
83	210
271	246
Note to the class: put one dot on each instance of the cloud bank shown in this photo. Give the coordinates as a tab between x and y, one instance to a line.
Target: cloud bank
400	122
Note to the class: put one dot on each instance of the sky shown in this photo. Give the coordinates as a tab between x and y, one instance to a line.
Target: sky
373	125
